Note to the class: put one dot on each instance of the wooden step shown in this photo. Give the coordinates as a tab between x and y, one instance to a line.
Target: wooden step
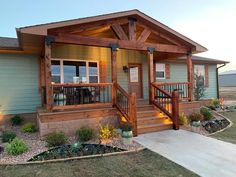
154	128
148	113
142	102
145	107
152	120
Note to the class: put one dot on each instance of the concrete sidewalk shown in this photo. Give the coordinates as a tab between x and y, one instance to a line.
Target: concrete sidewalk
205	156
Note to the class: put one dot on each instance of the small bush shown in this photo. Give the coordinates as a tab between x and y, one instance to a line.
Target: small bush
56	139
8	136
216	102
16	147
196	117
84	134
106	132
183	119
16	120
206	113
126	126
29	128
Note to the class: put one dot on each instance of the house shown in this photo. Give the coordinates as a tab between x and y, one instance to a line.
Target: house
227	79
86	71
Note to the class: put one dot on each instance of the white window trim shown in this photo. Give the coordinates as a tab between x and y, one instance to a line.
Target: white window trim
161	70
87	68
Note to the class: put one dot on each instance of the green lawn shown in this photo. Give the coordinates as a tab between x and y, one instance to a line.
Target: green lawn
141	164
229	134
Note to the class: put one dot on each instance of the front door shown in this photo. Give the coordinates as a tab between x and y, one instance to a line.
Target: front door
135	79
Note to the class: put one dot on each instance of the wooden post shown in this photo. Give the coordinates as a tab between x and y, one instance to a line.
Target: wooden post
133	113
190	75
175	109
150	74
48	73
114	48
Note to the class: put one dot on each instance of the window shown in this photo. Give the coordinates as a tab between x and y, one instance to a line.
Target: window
199	74
56	72
74	71
93	72
160	71
133	74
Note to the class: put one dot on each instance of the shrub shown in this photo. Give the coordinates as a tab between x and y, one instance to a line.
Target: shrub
8	136
126	126
196	117
56	139
84	134
183	119
16	147
206	113
215	102
212	107
16	120
106	132
29	128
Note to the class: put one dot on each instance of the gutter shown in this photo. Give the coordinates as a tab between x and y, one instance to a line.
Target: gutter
217	79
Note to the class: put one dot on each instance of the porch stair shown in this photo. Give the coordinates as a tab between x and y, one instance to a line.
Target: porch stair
150	119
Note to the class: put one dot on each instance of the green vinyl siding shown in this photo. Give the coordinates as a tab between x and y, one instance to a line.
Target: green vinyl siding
211	91
178	73
19	84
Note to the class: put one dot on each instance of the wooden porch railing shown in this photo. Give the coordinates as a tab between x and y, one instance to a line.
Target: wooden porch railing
166	102
181	87
67	96
126	105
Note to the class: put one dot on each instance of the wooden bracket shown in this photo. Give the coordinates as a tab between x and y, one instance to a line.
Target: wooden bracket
114	47
132	19
151	49
49	40
189	53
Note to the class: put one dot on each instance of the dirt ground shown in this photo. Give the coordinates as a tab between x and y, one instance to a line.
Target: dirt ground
229	94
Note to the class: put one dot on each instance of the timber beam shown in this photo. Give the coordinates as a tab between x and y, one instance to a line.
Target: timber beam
123	44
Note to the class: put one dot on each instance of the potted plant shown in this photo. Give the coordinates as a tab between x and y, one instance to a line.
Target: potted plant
127	133
195	121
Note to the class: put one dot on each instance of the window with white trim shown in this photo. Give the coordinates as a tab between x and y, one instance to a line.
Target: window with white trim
199	74
160	71
74	71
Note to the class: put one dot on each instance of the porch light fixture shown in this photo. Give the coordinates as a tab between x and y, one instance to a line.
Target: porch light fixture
125	69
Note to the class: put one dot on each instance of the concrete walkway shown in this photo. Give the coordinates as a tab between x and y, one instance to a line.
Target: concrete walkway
205	156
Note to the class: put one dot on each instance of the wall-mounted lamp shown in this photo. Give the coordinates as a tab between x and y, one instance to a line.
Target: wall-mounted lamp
125	69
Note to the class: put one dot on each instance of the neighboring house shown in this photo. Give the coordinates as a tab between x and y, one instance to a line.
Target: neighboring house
227	79
83	72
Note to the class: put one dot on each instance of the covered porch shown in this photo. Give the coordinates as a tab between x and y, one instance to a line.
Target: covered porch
132	45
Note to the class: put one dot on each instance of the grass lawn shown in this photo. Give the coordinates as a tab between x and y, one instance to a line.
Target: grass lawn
229	134
144	163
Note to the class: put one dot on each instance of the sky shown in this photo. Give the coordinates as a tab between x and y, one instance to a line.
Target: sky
212	23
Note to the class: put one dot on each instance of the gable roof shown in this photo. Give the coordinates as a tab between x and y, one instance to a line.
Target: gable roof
42	29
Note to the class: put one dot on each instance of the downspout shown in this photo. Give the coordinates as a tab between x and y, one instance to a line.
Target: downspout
217	79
